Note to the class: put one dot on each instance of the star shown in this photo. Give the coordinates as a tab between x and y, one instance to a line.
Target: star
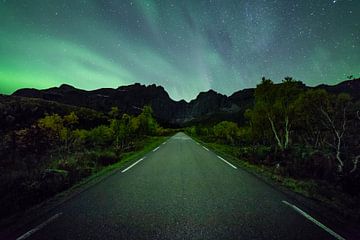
185	46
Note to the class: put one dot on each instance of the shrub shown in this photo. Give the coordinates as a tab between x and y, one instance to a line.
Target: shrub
256	154
100	136
226	132
107	158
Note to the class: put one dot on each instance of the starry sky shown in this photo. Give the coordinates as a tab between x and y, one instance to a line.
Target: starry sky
187	46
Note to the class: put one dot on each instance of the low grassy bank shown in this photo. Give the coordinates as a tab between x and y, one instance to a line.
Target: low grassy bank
146	145
321	191
70	173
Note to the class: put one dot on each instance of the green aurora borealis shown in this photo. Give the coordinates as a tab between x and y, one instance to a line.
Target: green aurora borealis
185	46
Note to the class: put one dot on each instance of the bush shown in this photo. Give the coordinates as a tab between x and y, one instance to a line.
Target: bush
107	158
256	154
307	162
100	136
227	132
53	181
96	158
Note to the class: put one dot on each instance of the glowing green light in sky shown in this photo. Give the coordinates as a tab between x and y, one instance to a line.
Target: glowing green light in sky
185	46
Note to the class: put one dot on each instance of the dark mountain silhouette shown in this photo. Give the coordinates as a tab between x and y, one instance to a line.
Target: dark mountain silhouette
208	107
131	99
352	87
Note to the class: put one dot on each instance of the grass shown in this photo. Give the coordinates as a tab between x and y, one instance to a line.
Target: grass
127	158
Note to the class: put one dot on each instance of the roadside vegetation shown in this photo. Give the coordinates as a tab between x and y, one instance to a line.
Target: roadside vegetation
306	139
56	151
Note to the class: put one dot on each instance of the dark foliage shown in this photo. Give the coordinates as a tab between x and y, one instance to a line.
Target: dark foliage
47	147
301	133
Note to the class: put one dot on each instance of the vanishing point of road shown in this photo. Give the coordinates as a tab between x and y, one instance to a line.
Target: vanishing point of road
180	190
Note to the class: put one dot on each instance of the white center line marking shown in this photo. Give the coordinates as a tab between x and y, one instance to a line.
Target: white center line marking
319	224
164	143
32	231
156	149
205	148
132	165
227	162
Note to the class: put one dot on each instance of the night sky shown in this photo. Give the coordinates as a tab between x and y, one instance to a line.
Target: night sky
185	46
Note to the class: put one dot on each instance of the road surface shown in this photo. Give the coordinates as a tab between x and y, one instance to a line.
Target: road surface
181	190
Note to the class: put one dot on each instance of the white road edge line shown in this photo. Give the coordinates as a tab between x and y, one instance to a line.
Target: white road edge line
227	162
319	224
37	228
205	148
133	164
155	149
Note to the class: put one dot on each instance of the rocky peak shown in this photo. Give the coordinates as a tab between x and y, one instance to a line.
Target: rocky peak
66	87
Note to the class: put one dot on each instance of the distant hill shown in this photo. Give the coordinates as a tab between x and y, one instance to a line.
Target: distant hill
208	107
18	112
352	87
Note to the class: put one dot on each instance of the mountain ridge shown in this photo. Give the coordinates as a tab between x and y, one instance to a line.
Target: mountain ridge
131	98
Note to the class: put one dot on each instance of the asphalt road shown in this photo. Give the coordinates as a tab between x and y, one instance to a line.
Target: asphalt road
178	191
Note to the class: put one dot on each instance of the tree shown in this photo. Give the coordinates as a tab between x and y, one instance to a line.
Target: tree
66	133
70	120
134	126
60	129
335	119
226	131
100	136
147	124
81	138
334	113
122	130
52	123
259	126
356	158
325	121
275	103
308	127
114	113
